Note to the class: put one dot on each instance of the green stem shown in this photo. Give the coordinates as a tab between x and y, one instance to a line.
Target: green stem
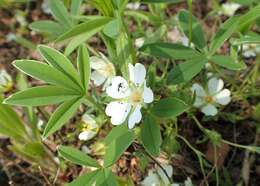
190	21
88	99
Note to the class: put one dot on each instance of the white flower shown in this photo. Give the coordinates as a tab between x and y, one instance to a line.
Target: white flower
103	70
90	128
250	50
129	96
40	124
85	149
45	7
188	182
133	6
229	9
215	94
6	82
157	177
139	42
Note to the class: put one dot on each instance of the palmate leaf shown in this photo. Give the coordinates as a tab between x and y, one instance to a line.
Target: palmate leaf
169	50
84	65
169	108
106	178
151	135
224	32
197	33
91	27
10	124
228	62
46	26
42	95
85	180
117	141
46	73
161	1
62	114
60	13
187	70
77	157
57	60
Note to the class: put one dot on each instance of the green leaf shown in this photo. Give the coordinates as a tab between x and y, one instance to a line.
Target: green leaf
228	62
169	107
46	26
248	18
197	32
62	114
186	70
161	1
60	62
75	156
91	27
117	147
169	50
112	29
85	180
115	133
151	135
10	123
84	66
45	73
106	178
75	7
224	32
34	149
60	12
42	95
247	40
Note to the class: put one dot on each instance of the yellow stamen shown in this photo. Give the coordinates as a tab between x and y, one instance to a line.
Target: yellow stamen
209	99
136	97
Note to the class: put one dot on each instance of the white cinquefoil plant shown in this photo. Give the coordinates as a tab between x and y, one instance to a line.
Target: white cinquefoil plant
136	99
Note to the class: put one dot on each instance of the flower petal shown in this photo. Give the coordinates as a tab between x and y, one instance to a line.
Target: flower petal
223	97
209	110
97	63
215	85
135	117
118	111
119	88
198	89
199	101
86	135
151	180
148	95
97	78
169	170
139	74
131	72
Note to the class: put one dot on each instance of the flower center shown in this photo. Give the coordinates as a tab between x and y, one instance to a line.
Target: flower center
136	97
252	46
208	99
108	70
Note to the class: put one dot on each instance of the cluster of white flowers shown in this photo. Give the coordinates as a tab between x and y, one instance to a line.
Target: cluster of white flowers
229	9
129	96
250	50
214	94
89	127
156	177
6	82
